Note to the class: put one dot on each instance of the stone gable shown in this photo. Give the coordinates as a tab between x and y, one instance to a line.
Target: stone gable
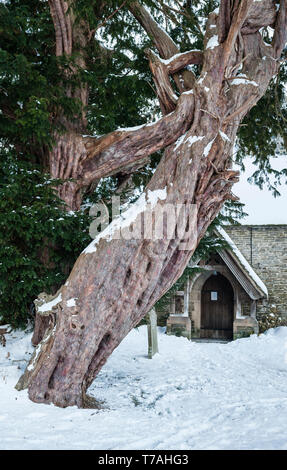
265	248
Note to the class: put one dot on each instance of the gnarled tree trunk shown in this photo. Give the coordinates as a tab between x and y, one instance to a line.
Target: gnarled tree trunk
115	282
65	156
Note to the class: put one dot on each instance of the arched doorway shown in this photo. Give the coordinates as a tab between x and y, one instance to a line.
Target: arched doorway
217	308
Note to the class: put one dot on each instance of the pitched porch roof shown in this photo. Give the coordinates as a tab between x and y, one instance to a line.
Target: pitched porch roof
241	269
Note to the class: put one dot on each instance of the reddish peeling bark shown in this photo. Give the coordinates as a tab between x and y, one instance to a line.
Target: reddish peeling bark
115	282
65	160
42	324
68	151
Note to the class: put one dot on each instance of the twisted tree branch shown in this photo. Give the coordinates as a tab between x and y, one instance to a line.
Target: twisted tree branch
163	43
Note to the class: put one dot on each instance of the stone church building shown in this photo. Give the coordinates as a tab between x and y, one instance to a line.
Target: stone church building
225	299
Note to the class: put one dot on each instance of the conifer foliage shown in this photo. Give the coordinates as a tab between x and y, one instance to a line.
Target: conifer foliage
39	239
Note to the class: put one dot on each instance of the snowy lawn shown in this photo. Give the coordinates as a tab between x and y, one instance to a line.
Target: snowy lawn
190	396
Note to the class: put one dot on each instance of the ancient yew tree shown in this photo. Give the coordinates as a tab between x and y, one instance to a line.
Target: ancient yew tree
116	281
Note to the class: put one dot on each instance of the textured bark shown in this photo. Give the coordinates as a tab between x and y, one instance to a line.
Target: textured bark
71	37
163	43
43	320
161	69
42	324
115	282
65	160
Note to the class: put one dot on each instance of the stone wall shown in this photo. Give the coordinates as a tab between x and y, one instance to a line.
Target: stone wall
265	248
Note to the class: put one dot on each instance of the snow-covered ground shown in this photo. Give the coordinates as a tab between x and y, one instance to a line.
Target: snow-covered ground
190	396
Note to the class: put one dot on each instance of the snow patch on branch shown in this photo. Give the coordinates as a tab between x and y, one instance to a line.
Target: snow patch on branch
148	124
213	42
200	81
180	54
194	138
49	305
125	219
189	92
33	363
208	148
154	196
71	302
243	80
224	136
180	141
130	129
127	129
38	349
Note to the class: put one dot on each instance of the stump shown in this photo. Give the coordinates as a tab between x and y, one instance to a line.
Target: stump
3	331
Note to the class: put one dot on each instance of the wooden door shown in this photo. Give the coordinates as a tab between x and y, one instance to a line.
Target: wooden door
217	307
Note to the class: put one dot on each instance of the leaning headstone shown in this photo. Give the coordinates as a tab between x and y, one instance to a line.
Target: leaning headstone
152	333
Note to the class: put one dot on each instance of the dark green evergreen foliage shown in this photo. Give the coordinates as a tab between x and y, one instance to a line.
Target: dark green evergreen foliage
39	240
121	87
29	77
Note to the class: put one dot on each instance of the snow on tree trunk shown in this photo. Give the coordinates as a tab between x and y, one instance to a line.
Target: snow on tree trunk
116	281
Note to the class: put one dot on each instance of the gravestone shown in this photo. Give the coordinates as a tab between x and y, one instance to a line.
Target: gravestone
152	333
